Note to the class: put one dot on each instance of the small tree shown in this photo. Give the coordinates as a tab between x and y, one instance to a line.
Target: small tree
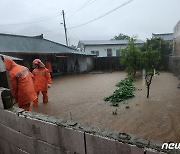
147	57
131	57
150	61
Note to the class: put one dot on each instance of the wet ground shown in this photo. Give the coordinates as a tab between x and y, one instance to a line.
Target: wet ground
80	98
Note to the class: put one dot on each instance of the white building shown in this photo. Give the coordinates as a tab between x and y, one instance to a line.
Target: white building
176	39
165	36
104	48
174	60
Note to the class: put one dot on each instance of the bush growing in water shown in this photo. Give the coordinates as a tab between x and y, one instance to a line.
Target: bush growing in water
124	91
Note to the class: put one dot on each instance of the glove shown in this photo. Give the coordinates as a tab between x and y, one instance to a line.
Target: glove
49	85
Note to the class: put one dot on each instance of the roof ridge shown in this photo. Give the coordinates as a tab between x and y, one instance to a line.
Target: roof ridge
162	33
35	37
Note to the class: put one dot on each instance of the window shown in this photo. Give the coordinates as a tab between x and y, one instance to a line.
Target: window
118	53
95	52
109	52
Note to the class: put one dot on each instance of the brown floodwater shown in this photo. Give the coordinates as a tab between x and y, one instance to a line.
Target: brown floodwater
80	98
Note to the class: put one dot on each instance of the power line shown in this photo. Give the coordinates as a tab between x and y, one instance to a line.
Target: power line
102	15
85	5
45	32
81	7
29	22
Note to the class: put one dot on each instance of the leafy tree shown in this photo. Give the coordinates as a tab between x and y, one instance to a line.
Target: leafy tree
150	61
147	57
162	46
121	37
131	57
153	57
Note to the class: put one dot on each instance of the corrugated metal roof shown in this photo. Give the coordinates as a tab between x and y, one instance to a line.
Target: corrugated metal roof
13	58
28	44
107	42
165	36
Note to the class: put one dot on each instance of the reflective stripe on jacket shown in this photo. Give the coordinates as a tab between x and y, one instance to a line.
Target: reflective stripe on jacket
21	82
42	78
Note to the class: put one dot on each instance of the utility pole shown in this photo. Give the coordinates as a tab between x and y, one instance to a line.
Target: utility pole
65	27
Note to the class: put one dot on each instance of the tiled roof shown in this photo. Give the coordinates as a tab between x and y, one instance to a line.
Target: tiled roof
165	36
29	44
107	42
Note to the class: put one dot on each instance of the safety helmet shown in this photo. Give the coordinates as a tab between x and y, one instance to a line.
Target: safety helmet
38	62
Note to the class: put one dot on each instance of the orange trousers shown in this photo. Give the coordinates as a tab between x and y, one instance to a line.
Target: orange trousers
45	98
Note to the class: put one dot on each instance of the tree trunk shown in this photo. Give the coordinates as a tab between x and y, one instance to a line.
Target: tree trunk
148	87
148	83
134	74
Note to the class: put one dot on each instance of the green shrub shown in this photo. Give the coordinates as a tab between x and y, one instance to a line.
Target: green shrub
124	91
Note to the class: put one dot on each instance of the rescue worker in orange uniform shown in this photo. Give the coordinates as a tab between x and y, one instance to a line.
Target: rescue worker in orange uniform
42	80
21	84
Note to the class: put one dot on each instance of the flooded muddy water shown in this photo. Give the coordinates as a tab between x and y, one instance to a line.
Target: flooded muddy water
80	98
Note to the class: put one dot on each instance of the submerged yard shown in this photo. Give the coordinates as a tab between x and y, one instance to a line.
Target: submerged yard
80	98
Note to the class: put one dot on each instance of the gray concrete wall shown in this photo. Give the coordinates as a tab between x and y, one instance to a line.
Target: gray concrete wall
174	64
176	40
85	64
24	132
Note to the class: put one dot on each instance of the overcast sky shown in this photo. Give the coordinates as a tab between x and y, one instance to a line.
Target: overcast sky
88	19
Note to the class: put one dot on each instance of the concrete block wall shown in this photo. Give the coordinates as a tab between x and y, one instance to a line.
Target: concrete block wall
174	64
24	132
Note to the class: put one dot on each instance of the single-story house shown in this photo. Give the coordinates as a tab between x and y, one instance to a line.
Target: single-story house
104	48
63	58
108	52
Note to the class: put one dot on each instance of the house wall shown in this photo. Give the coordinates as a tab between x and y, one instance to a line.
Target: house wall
32	133
176	40
174	60
90	63
103	49
174	64
85	64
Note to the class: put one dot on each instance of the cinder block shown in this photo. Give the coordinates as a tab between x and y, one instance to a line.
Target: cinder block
72	140
25	125
123	148
98	145
136	150
17	139
38	129
153	152
6	148
10	119
45	148
52	136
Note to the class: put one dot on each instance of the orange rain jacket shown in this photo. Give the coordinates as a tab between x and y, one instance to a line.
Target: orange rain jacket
21	82
42	78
